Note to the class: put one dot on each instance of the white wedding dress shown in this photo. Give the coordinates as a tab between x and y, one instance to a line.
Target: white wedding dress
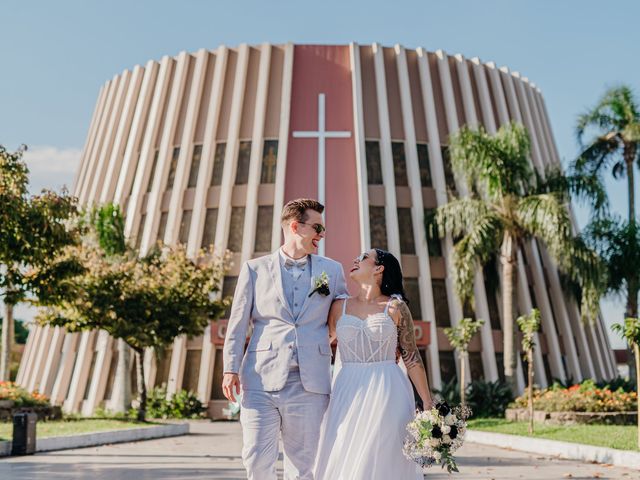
371	403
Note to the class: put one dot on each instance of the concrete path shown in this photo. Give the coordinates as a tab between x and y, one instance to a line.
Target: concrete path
212	451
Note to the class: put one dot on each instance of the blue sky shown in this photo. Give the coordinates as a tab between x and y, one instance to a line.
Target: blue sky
56	55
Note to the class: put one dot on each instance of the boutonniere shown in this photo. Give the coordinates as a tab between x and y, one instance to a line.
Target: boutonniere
320	285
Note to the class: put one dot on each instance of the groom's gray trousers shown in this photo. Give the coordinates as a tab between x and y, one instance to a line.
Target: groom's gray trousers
293	410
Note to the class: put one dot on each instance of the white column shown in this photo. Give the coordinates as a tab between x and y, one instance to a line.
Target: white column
386	156
92	157
186	148
127	171
524	297
28	349
552	158
98	382
255	162
52	362
167	136
455	307
107	147
283	143
41	356
562	318
91	136
489	364
231	152
147	151
63	375
540	288
124	126
29	360
205	374
359	141
208	151
417	210
80	372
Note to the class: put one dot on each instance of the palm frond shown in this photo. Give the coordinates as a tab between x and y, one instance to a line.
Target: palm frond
478	245
585	188
598	155
497	164
457	217
545	216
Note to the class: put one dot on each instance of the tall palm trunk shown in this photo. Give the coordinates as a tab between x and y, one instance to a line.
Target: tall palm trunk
508	261
629	154
463	360
122	401
530	388
7	343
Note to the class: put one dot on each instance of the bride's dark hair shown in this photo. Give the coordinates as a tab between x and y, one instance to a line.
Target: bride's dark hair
391	275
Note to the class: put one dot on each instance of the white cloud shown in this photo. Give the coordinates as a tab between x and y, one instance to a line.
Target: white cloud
51	167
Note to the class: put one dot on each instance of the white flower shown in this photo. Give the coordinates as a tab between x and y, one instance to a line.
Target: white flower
450	419
446	439
434	442
437	455
445	429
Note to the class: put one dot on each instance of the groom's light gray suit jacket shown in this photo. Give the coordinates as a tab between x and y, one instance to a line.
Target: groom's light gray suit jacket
259	301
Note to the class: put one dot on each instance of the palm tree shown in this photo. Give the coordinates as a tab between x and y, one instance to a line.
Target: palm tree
511	206
618	243
616	121
615	145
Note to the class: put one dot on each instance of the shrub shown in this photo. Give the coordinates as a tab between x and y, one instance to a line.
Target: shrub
486	399
183	404
584	397
21	397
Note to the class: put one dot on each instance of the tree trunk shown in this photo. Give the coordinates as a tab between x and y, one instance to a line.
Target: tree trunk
463	360
636	351
631	311
530	388
142	388
508	260
629	154
122	401
7	343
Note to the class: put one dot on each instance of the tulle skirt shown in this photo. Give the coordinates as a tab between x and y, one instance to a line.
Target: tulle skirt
365	425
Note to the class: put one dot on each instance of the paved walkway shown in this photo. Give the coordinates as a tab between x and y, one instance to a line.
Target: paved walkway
212	452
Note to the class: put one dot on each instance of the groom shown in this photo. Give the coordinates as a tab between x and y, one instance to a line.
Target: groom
285	372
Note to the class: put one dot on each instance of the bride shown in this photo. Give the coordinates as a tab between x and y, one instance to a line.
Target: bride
371	401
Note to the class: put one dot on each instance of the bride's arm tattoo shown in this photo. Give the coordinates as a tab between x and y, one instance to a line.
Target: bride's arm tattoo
407	338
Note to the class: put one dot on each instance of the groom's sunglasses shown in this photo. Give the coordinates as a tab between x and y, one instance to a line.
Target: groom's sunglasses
316	226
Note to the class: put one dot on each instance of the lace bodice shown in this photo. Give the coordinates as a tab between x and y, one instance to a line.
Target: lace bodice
368	340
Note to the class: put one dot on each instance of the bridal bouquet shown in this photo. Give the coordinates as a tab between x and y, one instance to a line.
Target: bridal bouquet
435	434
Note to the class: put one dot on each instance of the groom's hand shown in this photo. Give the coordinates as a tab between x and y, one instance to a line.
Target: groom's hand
231	382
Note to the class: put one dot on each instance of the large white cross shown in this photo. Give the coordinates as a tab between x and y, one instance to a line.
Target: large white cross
321	135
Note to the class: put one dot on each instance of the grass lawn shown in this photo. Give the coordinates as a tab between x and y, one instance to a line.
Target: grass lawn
72	427
622	437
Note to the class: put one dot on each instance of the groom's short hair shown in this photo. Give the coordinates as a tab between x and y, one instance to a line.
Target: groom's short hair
296	209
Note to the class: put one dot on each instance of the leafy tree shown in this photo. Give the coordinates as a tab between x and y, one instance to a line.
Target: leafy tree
460	336
33	228
508	206
146	302
529	325
630	331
